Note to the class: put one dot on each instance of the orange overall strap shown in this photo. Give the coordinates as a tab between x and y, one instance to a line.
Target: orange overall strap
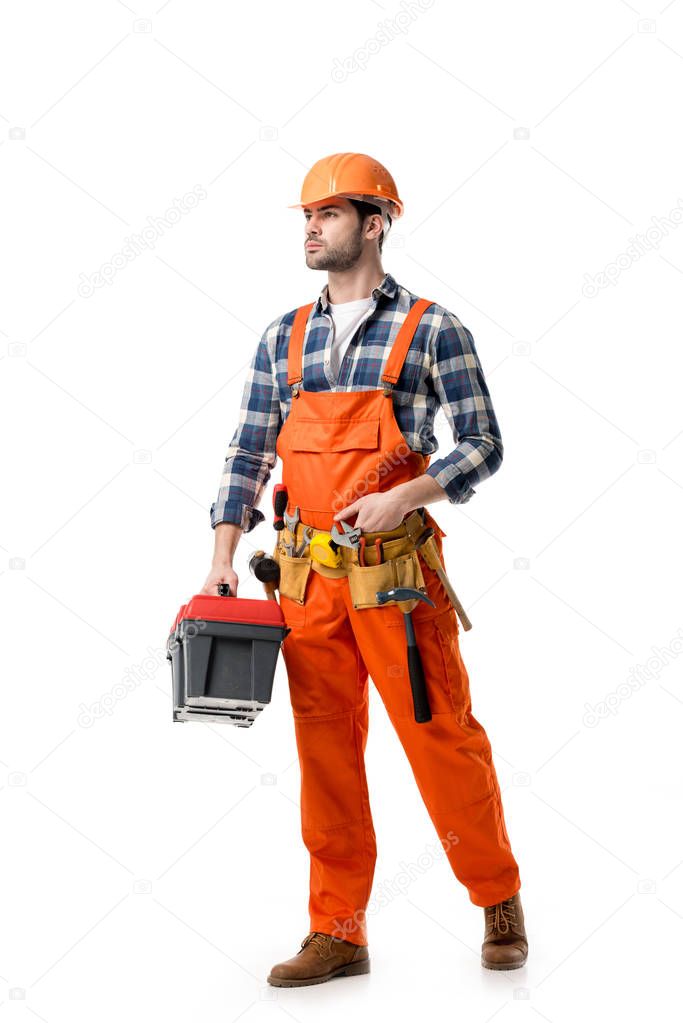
401	344
296	344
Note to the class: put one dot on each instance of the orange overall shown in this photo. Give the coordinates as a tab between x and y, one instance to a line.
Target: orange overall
335	446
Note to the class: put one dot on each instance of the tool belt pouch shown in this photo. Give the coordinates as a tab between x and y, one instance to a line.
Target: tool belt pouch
294	574
365	581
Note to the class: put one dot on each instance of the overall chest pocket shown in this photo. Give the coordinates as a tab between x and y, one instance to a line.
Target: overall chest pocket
320	435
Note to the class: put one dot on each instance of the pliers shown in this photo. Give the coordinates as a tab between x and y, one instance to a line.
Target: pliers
378	551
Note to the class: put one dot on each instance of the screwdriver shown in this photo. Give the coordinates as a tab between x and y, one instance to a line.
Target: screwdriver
280	499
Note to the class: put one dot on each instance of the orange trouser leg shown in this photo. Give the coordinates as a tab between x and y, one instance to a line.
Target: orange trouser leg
328	685
328	655
450	755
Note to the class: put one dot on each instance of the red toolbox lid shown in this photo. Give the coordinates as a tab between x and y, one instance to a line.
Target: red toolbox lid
210	608
178	617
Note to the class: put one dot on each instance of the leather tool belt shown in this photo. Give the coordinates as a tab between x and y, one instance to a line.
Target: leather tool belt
399	565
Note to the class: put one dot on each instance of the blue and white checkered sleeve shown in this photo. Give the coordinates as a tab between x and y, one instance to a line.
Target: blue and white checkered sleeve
252	454
459	383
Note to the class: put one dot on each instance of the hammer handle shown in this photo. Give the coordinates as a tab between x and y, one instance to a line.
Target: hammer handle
418	686
416	674
430	552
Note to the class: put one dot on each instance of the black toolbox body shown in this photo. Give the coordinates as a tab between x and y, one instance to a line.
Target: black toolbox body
223	653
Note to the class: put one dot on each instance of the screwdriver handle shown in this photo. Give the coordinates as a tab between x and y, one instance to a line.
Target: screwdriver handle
280	499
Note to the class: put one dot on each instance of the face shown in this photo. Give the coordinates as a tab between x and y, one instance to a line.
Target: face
333	235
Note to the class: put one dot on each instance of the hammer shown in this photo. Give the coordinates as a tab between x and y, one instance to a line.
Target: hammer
267	570
415	670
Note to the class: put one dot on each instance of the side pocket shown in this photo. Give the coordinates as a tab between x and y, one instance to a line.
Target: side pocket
294	574
294	614
456	677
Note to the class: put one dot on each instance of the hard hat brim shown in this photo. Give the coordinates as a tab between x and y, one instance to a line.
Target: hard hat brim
395	211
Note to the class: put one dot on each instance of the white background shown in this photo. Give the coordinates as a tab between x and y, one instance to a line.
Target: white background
153	871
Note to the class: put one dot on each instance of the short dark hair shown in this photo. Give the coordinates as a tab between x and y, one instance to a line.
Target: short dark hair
365	209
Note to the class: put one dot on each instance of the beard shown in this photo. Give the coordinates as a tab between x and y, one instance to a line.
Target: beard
342	256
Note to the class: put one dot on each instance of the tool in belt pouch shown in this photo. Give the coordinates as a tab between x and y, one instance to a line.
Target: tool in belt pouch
396	570
399	567
294	574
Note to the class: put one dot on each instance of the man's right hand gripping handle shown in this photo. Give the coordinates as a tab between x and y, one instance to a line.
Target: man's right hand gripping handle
226	536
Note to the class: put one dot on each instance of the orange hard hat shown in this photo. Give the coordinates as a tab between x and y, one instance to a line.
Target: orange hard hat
354	176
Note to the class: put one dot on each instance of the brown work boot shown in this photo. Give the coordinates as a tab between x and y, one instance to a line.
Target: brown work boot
320	958
505	944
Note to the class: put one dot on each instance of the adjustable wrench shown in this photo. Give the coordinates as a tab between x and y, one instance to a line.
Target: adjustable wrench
308	533
349	538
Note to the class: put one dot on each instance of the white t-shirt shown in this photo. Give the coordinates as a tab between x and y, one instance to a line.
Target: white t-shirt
347	317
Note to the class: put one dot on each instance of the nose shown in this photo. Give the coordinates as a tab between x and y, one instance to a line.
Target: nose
312	226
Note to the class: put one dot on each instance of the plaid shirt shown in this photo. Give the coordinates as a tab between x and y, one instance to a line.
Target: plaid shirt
441	369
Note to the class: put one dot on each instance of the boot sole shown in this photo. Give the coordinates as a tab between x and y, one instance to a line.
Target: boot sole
503	966
350	970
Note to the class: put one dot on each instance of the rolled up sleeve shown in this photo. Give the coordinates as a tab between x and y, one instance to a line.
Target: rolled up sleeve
252	451
458	381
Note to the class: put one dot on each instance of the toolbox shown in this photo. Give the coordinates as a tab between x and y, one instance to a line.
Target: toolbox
223	652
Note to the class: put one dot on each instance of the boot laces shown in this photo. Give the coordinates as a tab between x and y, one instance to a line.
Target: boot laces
322	942
502	917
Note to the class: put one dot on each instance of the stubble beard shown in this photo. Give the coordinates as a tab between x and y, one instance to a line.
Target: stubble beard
337	258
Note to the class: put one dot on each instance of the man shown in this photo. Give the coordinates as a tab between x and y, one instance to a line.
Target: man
345	390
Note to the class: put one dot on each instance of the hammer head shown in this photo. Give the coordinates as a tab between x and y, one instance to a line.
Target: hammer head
402	593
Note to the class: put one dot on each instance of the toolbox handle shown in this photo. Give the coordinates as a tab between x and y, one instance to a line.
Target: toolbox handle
224	589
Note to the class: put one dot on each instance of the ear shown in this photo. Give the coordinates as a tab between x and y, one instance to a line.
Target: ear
371	227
